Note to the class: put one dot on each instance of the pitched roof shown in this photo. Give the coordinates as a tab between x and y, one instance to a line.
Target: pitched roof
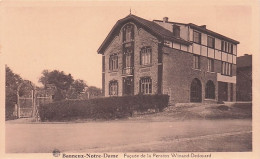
151	26
204	30
244	61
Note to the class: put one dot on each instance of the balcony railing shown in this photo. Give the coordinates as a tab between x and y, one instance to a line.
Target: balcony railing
127	71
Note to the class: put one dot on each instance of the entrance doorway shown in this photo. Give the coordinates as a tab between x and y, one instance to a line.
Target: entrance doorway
222	91
195	90
128	86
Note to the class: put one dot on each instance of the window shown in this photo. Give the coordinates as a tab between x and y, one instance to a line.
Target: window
146	85
176	31
113	62
226	47
128	32
197	37
196	61
128	57
128	60
146	56
226	69
113	88
210	90
211	42
210	65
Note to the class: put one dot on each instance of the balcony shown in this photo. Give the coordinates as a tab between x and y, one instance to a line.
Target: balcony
127	71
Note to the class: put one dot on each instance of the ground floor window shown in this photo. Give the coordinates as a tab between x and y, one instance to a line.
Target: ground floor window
113	88
210	90
146	85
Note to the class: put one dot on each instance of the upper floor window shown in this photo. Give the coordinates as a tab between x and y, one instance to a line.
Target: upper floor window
196	61
176	31
197	37
146	85
226	47
127	57
113	62
210	65
128	32
226	69
211	42
128	60
113	88
146	56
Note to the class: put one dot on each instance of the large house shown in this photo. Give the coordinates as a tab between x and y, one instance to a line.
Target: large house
188	62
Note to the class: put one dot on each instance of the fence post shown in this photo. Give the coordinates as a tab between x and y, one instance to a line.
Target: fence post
18	110
15	113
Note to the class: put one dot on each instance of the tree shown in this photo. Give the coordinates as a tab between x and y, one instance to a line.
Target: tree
11	85
94	92
58	78
61	80
77	88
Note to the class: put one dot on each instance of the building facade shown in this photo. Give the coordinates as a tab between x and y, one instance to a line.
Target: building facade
244	78
188	62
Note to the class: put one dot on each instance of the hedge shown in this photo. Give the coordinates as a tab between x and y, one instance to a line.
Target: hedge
101	108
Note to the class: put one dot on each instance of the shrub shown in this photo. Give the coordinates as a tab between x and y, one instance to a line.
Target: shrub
220	102
223	107
101	108
247	105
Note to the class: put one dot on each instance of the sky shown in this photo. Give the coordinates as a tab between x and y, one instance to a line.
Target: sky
65	35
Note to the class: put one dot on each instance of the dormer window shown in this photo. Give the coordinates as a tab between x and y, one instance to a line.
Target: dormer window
176	31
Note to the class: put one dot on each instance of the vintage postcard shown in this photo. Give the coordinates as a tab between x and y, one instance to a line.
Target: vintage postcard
129	79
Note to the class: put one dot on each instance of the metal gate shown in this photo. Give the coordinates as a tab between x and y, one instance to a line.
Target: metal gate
28	101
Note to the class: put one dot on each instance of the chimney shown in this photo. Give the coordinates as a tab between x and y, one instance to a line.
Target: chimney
165	19
203	26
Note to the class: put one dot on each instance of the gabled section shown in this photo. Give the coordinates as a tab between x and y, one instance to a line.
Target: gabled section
150	26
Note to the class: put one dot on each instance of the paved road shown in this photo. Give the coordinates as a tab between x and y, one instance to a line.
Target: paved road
130	136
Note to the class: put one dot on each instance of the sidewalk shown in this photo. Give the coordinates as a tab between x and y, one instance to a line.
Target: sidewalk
21	121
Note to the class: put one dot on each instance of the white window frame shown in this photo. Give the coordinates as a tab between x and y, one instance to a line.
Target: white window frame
146	56
113	88
146	85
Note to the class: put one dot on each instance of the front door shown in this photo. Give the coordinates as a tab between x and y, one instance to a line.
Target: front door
128	86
